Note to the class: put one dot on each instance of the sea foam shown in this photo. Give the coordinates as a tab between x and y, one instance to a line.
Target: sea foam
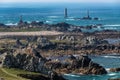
8	24
72	75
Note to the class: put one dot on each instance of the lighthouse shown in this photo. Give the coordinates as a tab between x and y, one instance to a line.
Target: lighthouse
65	13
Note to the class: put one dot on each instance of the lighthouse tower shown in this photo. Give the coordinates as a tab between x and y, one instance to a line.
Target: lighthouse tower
65	13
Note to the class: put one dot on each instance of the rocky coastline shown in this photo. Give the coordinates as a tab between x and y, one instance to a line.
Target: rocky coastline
55	54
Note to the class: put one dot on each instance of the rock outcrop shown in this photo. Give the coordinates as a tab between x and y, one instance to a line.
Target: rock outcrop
78	65
92	40
33	61
44	43
24	61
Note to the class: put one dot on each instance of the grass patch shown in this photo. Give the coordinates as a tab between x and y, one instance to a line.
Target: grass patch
19	30
6	76
60	41
11	74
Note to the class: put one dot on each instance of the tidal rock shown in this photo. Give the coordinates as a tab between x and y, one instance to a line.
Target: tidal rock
115	70
77	65
35	23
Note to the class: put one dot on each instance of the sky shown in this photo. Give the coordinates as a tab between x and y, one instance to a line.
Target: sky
63	3
68	1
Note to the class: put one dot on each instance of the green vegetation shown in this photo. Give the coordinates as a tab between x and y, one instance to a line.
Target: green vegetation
11	74
60	41
65	41
19	30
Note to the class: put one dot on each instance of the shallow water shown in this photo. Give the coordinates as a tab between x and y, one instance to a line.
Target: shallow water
107	61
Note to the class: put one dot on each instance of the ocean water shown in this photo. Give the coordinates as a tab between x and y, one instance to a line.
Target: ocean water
108	16
107	61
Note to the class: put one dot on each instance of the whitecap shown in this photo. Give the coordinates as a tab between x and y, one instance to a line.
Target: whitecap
53	16
28	21
107	69
37	21
111	28
69	19
111	57
48	21
113	25
72	75
112	74
9	24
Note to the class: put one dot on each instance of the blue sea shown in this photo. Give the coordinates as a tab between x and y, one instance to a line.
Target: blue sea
109	17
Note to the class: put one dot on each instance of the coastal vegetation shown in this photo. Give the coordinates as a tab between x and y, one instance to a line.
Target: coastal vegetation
19	30
11	74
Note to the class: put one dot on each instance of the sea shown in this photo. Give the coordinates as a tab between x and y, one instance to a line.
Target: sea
109	17
107	61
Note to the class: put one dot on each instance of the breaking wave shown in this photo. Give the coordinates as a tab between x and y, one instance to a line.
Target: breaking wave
11	24
72	75
111	56
113	25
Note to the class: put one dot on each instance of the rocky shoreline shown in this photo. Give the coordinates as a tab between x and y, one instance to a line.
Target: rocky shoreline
33	61
54	53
